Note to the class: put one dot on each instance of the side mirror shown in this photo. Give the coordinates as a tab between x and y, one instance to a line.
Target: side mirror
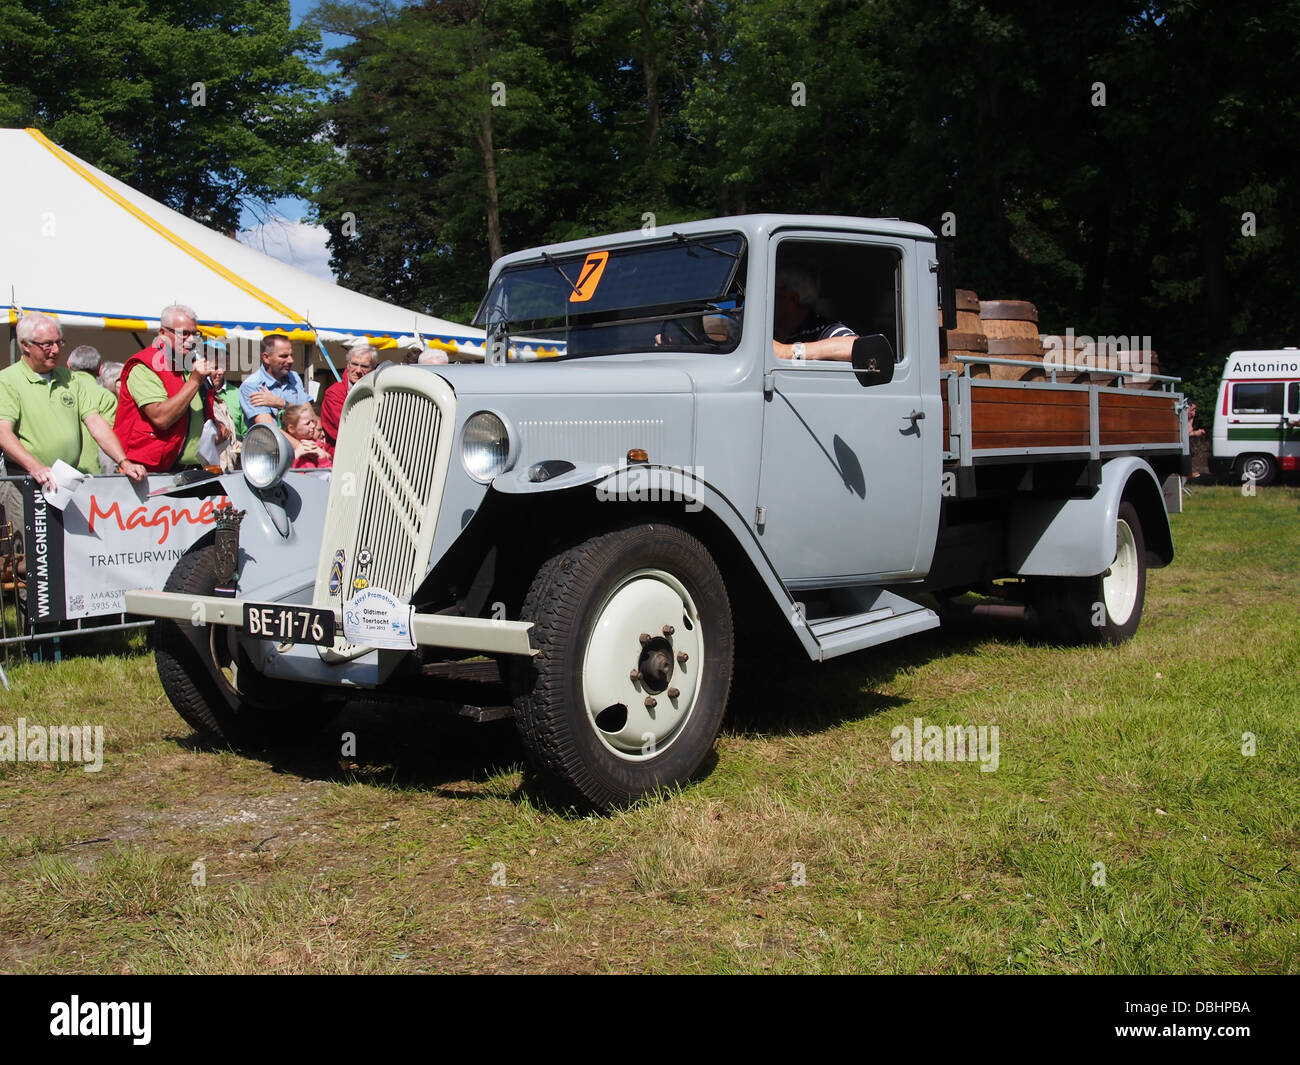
873	358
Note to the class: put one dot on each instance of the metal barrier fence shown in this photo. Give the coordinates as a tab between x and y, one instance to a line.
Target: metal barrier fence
22	628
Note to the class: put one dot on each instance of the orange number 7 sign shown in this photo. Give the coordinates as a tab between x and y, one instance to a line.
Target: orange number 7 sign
590	277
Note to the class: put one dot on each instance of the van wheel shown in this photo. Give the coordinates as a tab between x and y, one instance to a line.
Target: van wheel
1105	608
1262	469
635	645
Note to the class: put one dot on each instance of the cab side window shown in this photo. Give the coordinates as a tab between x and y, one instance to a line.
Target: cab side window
858	286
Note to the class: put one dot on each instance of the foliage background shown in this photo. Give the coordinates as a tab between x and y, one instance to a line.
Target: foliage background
452	132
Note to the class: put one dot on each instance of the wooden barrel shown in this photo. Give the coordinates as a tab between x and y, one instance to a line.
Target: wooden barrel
968	312
1006	319
968	338
1012	329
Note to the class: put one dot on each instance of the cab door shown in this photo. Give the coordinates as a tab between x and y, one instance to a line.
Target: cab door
849	481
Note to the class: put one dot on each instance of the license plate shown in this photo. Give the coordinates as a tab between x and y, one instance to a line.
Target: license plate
289	624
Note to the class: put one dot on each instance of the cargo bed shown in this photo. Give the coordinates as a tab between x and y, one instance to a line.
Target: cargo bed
989	421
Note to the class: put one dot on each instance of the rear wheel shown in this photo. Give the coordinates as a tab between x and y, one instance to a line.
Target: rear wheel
628	690
210	681
1105	608
1262	469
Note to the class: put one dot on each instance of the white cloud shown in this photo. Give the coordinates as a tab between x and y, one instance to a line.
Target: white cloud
296	243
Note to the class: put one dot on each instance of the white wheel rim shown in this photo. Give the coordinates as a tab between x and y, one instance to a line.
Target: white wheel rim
1256	469
642	603
1120	586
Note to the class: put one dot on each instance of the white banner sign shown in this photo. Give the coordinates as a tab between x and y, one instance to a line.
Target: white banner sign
115	538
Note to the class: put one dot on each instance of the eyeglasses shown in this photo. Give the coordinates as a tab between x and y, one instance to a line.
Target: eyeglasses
182	332
45	345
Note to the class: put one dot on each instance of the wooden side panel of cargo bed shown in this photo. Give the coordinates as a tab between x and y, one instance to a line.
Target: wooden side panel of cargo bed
1137	418
1028	417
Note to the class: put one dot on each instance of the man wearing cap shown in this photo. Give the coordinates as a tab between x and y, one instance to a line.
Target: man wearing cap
361	360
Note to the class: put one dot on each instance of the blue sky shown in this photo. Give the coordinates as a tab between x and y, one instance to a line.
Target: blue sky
283	235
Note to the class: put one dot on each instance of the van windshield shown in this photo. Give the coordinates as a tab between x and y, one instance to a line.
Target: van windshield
678	293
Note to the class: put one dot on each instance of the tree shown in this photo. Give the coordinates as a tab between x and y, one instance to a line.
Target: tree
1127	165
205	105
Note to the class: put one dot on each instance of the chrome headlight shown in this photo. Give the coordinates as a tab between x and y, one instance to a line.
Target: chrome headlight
485	446
267	455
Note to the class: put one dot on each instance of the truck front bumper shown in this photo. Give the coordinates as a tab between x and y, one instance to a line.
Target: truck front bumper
484	635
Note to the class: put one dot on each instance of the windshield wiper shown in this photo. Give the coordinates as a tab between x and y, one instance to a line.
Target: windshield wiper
550	261
683	239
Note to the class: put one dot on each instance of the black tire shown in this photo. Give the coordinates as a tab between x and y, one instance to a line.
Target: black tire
1262	469
1106	608
193	665
590	604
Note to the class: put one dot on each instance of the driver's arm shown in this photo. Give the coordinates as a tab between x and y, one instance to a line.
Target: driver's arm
837	349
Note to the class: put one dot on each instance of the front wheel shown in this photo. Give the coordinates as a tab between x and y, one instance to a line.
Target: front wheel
1105	608
210	681
634	636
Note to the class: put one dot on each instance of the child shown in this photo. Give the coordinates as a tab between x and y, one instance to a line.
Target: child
300	425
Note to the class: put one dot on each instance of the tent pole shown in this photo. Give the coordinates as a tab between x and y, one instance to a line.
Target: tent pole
328	361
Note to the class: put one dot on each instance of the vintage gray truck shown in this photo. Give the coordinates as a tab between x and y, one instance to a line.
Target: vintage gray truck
590	542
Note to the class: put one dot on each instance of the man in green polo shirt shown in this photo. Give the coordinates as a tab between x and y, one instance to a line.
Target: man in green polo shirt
42	409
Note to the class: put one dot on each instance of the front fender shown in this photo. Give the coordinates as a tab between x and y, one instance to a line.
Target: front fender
280	535
667	488
1076	537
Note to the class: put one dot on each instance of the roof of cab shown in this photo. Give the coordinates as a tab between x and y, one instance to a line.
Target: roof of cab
753	226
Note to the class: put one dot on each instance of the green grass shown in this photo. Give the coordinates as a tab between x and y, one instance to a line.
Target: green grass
432	851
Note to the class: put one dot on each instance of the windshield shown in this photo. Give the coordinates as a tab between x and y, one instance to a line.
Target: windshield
678	293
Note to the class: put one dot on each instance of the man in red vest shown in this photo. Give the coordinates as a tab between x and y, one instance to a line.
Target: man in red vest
161	410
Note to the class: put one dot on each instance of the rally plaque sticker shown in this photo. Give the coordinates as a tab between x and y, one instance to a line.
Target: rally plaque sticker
375	618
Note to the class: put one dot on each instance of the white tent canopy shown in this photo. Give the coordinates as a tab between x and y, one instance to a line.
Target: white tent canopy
97	254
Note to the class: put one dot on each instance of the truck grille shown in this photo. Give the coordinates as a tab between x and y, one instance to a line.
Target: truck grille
386	486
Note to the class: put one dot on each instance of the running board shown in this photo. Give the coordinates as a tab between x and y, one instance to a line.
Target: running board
888	617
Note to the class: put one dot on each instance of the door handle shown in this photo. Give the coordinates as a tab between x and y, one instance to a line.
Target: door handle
915	416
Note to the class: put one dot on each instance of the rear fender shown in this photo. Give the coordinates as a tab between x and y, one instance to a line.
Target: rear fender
1076	537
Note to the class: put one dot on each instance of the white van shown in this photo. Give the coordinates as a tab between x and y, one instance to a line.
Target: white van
1257	417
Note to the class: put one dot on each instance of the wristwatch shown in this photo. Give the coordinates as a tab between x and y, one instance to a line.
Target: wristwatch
797	352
